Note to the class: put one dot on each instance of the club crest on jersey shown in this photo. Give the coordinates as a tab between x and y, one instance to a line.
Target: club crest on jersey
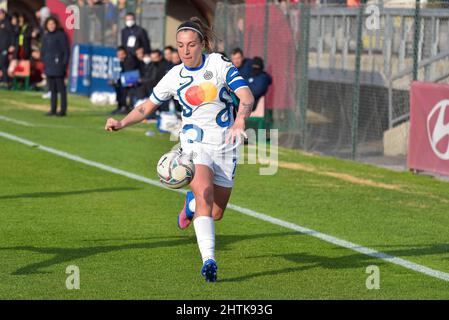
208	75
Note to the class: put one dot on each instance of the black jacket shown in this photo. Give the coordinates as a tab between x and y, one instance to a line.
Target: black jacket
7	37
142	40
129	64
55	53
153	72
26	31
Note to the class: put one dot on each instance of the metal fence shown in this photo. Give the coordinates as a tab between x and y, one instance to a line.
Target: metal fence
341	76
101	24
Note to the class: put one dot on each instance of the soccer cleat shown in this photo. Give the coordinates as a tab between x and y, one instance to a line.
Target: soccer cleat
209	270
186	215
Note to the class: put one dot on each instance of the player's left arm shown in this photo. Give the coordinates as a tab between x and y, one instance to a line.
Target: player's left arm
235	82
245	108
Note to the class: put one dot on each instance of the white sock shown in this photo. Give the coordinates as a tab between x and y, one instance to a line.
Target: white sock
205	236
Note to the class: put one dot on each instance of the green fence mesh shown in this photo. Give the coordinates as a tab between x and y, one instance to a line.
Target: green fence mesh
341	75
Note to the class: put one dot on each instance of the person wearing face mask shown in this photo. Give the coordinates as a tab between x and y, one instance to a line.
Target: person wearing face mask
146	74
134	36
259	80
152	69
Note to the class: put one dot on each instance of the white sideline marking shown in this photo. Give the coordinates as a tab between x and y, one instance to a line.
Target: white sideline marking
333	240
22	123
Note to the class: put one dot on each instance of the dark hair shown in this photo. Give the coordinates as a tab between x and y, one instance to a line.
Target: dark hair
156	51
204	32
55	20
236	51
169	48
130	14
24	17
258	62
121	48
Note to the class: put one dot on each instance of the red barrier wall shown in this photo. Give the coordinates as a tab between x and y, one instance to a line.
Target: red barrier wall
428	147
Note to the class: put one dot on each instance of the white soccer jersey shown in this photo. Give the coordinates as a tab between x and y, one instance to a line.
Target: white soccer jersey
204	94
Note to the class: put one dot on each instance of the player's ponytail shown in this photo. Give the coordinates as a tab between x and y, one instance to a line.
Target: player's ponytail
204	31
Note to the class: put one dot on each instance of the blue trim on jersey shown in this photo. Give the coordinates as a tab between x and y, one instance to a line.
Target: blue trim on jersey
227	109
238	84
187	110
160	100
199	132
203	57
235	73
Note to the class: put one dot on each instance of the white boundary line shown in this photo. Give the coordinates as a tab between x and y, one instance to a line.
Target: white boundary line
22	123
333	240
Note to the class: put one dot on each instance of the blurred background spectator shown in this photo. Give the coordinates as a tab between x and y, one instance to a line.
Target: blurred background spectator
37	76
241	63
133	36
7	40
128	62
168	56
55	56
23	39
259	80
152	70
175	60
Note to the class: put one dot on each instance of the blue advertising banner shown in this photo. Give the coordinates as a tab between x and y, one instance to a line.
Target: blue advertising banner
92	68
104	67
80	69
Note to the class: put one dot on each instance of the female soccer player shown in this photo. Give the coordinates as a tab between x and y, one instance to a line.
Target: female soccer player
202	84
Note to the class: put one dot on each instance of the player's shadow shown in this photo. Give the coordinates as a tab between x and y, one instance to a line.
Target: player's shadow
64	193
64	255
307	261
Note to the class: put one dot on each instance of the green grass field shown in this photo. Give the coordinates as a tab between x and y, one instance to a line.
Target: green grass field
122	233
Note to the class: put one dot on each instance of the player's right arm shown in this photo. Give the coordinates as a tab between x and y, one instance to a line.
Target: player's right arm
161	93
135	116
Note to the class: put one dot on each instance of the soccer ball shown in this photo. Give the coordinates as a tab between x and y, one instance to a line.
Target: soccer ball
175	169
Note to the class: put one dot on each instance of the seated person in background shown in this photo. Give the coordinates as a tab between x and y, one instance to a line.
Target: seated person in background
241	63
146	74
259	80
152	69
140	53
175	58
37	68
168	56
128	62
